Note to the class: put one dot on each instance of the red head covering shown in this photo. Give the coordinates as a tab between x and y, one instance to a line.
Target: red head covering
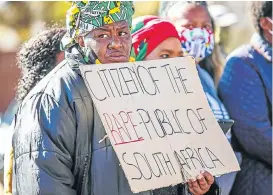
148	32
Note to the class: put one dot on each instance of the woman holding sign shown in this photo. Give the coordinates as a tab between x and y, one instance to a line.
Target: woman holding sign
57	130
151	41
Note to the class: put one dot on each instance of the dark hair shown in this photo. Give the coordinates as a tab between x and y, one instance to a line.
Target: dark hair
36	58
260	9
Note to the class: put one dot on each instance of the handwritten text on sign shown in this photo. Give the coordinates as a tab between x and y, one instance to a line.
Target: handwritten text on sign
158	121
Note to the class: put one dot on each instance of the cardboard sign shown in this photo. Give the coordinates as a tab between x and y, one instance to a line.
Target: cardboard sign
159	122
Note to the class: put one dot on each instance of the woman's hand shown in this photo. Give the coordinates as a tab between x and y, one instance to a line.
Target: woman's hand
202	184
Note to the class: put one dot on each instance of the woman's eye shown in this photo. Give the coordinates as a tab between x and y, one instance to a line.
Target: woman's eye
103	36
122	34
189	26
208	27
164	56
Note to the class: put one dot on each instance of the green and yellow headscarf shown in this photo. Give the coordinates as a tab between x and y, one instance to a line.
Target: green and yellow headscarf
84	16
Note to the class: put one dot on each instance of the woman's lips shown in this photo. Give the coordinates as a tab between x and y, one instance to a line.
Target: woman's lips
116	57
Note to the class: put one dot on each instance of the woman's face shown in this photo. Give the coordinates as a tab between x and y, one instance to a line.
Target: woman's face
111	43
194	26
169	48
194	16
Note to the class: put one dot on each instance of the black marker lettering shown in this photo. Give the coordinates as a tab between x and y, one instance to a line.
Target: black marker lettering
120	83
147	121
181	161
154	80
134	178
161	122
199	156
145	160
103	84
128	81
111	128
138	78
175	78
192	157
186	159
154	156
213	157
165	66
183	80
145	88
103	71
119	127
109	70
178	122
203	159
168	162
191	116
90	88
200	118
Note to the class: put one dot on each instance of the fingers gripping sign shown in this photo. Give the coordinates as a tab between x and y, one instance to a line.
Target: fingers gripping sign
201	184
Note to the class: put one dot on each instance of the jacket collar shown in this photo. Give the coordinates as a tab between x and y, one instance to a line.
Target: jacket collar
261	46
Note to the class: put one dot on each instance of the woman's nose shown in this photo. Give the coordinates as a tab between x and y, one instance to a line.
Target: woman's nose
115	43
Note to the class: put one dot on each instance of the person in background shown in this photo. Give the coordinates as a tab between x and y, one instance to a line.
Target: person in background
195	27
36	58
151	41
212	62
246	91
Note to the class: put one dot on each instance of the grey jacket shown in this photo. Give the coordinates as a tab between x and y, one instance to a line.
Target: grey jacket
56	130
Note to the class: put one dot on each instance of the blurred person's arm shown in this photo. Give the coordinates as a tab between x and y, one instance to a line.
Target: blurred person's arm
243	94
44	145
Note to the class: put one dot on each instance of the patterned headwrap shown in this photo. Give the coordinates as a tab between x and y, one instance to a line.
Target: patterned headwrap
148	32
84	16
